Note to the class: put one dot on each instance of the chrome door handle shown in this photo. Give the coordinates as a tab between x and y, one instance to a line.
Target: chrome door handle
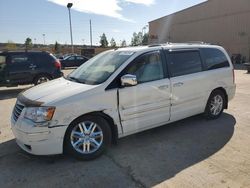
178	84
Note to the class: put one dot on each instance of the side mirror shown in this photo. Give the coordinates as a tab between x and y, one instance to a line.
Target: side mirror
128	80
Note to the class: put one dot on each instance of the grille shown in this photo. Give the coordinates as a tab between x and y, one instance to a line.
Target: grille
17	111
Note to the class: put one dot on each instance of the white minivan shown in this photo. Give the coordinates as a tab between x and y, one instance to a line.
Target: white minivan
121	92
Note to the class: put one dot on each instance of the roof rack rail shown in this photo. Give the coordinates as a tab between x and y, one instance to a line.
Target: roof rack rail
161	44
196	42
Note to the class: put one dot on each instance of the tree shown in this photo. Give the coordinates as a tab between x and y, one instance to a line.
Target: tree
136	39
57	47
140	37
10	45
103	40
145	39
112	42
124	43
28	43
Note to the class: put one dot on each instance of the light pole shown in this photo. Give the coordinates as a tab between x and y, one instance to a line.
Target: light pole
90	29
69	5
44	39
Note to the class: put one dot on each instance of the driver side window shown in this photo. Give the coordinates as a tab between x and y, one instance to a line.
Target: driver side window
147	67
72	58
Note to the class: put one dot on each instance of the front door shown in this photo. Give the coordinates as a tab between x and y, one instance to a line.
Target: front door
147	104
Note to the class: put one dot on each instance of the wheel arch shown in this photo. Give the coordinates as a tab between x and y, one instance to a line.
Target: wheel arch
41	74
225	94
113	127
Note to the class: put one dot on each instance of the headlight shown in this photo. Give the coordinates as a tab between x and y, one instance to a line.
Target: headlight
39	114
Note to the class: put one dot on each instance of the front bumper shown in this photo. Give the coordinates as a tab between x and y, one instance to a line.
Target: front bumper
38	140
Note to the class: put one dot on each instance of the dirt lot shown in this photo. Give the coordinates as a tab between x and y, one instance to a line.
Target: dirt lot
190	153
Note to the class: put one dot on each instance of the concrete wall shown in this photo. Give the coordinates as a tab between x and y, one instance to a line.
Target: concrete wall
223	22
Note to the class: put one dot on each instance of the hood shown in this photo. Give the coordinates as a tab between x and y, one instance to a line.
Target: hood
55	90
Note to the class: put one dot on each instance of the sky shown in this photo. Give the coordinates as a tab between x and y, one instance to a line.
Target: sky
48	20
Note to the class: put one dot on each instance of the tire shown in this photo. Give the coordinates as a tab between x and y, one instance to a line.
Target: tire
42	78
87	138
215	105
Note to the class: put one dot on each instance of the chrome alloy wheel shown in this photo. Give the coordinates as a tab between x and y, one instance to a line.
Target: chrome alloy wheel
42	80
86	137
216	105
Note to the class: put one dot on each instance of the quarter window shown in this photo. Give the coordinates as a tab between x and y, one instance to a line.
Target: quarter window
185	62
147	68
214	58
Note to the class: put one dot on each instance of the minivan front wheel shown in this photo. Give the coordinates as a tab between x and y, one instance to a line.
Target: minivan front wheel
215	105
88	137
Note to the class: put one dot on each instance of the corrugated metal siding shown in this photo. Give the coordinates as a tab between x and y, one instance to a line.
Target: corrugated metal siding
223	22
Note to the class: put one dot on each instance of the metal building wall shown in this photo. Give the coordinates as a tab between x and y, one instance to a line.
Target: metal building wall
223	22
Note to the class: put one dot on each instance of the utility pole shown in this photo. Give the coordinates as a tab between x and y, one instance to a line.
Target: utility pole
90	27
69	5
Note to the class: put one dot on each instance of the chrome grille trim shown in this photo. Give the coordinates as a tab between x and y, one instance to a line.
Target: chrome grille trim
17	111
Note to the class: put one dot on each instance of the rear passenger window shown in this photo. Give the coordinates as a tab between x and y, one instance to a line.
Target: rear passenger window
185	62
41	59
214	58
20	58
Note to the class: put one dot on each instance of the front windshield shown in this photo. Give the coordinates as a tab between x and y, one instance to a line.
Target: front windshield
98	69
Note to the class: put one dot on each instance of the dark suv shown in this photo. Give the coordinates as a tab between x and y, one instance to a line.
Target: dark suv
19	68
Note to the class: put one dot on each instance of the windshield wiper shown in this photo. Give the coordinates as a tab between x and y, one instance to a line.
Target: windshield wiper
75	79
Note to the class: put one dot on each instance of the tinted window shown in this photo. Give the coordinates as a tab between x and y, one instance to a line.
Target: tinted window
214	58
72	58
186	62
147	68
41	58
19	58
79	58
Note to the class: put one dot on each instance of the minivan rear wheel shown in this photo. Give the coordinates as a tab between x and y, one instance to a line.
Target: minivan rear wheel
41	79
215	105
88	137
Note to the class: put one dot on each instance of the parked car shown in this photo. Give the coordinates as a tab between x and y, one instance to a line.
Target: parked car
121	92
59	56
73	61
19	68
247	65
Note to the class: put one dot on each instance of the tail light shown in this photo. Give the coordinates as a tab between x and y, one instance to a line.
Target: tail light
57	64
